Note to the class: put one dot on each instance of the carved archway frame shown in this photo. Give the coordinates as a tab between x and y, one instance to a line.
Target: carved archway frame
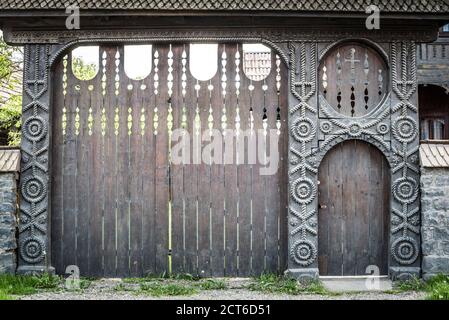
312	132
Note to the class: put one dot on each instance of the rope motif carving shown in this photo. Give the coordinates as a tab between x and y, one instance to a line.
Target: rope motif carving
34	186
405	189
303	131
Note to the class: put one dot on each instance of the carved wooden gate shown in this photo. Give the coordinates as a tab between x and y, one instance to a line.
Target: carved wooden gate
354	209
120	204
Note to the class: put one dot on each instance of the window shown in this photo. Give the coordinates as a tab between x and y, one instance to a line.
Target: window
434	113
446	28
433	129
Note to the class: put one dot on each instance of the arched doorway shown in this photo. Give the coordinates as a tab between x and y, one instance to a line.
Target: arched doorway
354	205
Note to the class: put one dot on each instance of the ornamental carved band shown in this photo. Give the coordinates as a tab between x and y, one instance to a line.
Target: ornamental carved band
34	170
315	129
303	119
405	215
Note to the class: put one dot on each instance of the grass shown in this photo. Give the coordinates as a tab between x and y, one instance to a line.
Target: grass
157	289
438	288
11	285
176	285
271	283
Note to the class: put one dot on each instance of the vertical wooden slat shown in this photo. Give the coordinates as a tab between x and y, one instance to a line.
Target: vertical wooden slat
244	181
191	180
69	176
123	177
96	182
57	178
230	169
110	170
177	170
82	183
273	200
283	181
258	190
217	176
204	184
161	173
135	206
148	185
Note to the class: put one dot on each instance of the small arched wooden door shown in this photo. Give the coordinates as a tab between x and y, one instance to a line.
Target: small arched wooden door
354	210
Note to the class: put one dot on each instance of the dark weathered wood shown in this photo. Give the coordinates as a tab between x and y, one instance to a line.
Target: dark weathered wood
96	196
230	169
82	183
120	203
148	186
258	190
177	171
162	168
110	165
57	218
353	214
348	85
244	181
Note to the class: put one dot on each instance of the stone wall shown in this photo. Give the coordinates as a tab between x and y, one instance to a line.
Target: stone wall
435	221
8	222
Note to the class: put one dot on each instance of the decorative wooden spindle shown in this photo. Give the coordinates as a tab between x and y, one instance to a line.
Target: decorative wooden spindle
339	84
156	91
210	119
237	91
64	92
117	92
366	71
170	93
184	88
197	110
223	89
278	91
103	92
265	115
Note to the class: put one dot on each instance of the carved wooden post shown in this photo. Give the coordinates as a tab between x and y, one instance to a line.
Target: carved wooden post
405	214
35	184
303	119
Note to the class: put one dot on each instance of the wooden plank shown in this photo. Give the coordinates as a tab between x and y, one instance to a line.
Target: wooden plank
82	182
204	192
349	207
57	199
69	177
272	199
335	205
135	166
217	178
363	217
283	181
96	185
258	190
162	173
110	165
244	183
230	170
148	185
177	170
191	182
123	169
324	217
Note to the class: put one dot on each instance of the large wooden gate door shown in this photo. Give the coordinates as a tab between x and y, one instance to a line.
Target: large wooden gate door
354	210
122	207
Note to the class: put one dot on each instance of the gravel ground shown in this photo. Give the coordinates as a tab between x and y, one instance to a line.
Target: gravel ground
104	290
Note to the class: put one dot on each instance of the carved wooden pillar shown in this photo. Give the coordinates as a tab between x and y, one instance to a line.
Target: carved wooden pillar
303	189
35	182
405	214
